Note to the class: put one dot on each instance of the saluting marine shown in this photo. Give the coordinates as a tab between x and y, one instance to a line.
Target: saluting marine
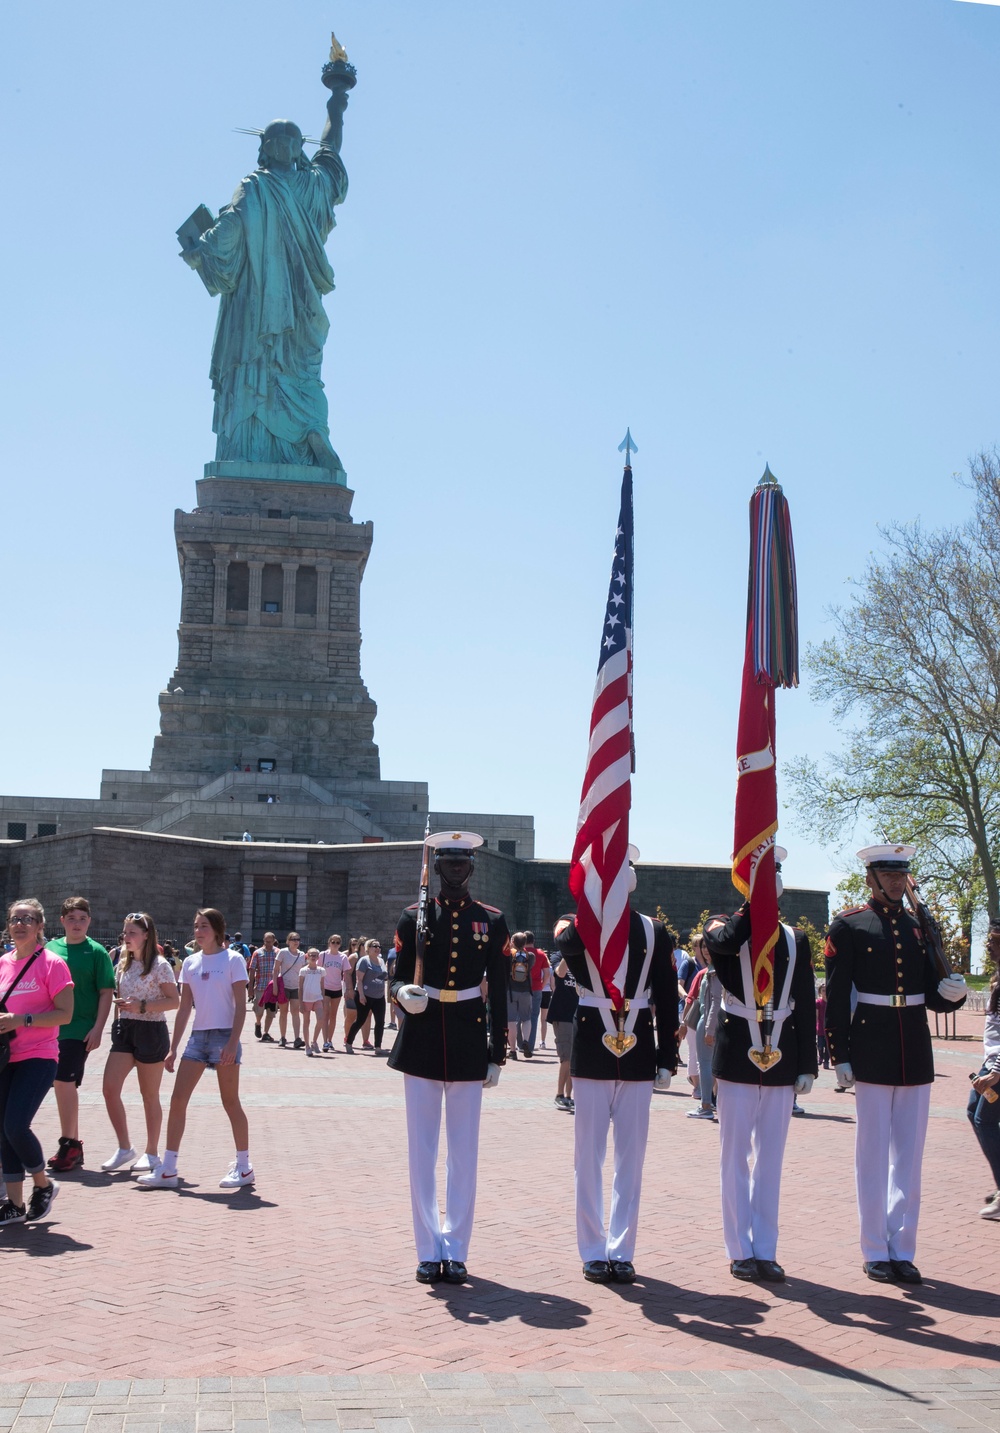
616	1058
756	1094
880	951
451	1046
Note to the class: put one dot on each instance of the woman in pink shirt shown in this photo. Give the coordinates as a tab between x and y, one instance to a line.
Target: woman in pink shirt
31	1011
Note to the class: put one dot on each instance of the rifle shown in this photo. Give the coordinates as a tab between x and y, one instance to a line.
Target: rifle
423	901
929	925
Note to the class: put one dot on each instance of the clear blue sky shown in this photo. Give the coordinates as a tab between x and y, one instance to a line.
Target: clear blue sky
753	232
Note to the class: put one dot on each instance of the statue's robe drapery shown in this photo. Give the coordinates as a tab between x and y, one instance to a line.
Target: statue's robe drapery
265	256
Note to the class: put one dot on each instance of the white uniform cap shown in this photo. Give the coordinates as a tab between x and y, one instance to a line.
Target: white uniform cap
633	854
780	854
887	856
444	841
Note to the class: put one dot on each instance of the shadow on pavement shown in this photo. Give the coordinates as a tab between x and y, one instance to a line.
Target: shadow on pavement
239	1200
41	1241
728	1321
481	1301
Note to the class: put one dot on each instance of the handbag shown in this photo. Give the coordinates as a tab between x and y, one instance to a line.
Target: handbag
8	1037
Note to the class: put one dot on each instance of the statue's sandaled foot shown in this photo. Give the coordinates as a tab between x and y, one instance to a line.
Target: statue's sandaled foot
323	453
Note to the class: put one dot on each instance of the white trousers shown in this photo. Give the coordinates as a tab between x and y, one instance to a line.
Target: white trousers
623	1104
888	1151
462	1104
753	1124
693	1068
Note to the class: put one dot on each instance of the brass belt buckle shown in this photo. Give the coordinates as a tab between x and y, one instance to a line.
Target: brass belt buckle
897	1000
448	997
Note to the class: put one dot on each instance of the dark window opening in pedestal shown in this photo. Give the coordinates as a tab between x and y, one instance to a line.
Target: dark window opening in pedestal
267	797
273	905
305	591
238	587
271	583
274	512
17	830
507	848
47	828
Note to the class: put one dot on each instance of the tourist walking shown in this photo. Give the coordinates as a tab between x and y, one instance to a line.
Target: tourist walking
519	963
370	975
311	999
213	991
335	962
984	1098
93	988
562	1013
261	970
36	999
288	962
139	1040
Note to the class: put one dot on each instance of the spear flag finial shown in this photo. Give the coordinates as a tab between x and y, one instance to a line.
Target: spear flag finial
628	447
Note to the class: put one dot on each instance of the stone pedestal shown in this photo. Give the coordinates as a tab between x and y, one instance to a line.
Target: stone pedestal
268	667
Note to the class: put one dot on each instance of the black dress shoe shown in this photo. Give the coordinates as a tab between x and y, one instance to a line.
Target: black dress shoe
905	1271
428	1272
770	1272
622	1271
597	1271
745	1269
880	1270
453	1271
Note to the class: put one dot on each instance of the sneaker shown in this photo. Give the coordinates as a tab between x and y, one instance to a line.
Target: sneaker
282	1042
63	1142
992	1209
348	1049
69	1156
156	1179
797	1108
12	1213
309	1052
327	1047
701	1114
570	1102
257	1031
315	1048
296	1043
233	1179
543	1046
119	1160
511	1054
41	1200
146	1163
266	1039
367	1045
562	1102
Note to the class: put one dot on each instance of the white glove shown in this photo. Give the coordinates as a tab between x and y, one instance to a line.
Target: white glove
492	1077
413	999
803	1084
845	1075
663	1078
953	987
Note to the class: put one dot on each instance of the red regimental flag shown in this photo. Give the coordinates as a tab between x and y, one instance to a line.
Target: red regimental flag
771	659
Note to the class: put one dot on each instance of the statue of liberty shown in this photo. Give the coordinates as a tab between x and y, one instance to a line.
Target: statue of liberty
265	256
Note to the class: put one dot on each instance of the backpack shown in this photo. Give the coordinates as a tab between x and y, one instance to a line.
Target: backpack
520	968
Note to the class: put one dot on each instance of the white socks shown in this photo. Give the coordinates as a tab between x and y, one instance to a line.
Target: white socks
243	1161
169	1165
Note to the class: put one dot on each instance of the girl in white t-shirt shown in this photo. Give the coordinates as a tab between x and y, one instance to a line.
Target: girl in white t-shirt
311	998
213	990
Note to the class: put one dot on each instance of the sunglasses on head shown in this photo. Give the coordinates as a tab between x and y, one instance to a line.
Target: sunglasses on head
137	918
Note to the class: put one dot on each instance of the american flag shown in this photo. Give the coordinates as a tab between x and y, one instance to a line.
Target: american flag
599	874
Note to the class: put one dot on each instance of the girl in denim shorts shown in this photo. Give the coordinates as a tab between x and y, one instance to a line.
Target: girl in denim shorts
213	990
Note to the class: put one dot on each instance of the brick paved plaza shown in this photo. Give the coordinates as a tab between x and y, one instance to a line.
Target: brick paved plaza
293	1307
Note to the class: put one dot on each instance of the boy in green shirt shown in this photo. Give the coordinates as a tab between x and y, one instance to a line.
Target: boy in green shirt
93	989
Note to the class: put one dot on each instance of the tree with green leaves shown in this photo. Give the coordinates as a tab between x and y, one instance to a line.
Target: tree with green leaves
913	677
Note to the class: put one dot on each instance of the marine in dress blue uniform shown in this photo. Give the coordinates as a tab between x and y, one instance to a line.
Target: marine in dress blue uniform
755	1105
451	1045
880	982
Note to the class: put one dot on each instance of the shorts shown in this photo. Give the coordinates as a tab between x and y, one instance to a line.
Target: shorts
518	1007
563	1031
546	997
146	1041
269	1005
332	994
291	995
206	1046
72	1058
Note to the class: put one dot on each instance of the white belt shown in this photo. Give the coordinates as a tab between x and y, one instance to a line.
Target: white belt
732	1006
896	1001
449	997
601	1002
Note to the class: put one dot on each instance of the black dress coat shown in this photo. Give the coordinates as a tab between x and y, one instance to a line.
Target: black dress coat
881	949
797	1041
654	1049
467	943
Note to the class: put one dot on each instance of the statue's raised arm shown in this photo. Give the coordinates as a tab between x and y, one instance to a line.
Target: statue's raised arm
339	76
